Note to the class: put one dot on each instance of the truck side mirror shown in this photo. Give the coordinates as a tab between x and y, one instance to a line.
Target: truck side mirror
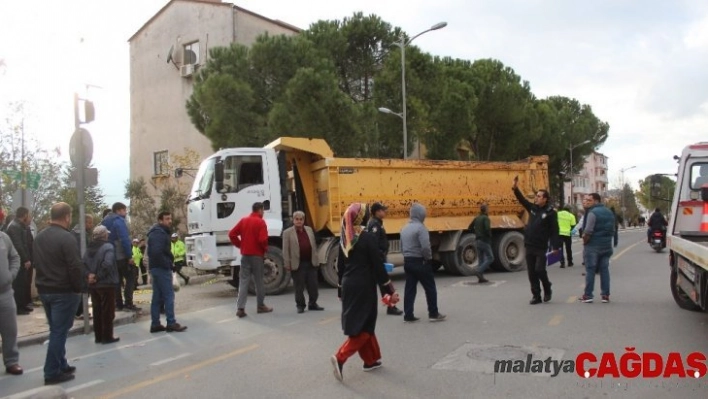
219	175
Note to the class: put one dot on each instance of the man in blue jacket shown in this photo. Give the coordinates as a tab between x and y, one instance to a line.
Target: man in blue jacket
161	263
597	238
115	223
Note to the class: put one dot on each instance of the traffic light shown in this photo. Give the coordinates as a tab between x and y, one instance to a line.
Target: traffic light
89	111
655	185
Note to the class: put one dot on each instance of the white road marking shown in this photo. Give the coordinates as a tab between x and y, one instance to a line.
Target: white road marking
227	320
84	386
170	359
139	343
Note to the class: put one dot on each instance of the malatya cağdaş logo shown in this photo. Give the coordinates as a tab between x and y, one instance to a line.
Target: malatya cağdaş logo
630	364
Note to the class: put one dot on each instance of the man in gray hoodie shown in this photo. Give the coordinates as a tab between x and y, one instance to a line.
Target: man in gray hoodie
9	267
417	258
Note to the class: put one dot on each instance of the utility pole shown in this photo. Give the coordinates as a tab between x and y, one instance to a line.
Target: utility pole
81	152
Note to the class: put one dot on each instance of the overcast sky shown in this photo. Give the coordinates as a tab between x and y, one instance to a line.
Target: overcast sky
641	65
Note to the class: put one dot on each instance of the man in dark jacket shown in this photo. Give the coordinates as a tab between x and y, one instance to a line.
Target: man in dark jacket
375	227
483	240
250	235
541	229
161	263
9	267
59	282
102	277
115	223
657	222
21	236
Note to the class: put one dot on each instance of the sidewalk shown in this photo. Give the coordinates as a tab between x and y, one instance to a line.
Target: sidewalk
33	328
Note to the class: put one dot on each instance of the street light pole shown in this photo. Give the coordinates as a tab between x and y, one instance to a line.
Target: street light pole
402	44
572	174
623	209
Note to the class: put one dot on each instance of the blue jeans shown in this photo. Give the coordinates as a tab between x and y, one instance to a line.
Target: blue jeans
419	271
485	256
162	293
60	310
597	258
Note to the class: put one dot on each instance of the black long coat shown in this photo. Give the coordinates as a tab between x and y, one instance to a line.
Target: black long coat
358	276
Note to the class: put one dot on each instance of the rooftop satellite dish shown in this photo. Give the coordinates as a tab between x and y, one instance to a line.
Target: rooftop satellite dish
169	53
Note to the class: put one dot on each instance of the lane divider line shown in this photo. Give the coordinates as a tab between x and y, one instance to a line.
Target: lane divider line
328	320
170	359
84	386
556	320
177	373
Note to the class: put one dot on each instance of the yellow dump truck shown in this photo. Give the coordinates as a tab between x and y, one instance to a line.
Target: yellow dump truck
292	174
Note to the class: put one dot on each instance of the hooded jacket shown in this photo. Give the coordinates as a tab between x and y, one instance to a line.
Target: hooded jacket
159	247
100	260
9	263
119	235
415	238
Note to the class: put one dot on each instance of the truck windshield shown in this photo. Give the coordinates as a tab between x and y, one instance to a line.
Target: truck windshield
203	180
699	175
242	171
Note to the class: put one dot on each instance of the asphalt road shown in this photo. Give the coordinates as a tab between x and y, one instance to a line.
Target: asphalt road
284	354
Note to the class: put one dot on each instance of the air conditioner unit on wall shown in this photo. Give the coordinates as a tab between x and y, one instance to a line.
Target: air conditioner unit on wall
186	70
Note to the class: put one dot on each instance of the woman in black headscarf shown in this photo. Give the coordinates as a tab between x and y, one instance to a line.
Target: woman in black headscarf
361	268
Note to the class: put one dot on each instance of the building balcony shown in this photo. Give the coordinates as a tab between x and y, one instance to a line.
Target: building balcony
601	179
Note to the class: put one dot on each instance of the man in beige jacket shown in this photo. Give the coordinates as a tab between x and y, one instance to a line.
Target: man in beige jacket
300	255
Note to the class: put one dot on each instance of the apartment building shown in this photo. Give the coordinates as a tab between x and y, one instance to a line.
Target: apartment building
165	53
591	179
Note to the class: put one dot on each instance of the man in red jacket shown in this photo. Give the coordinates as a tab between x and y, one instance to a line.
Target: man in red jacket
250	235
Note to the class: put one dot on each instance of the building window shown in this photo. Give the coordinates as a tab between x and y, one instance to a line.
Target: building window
191	54
160	163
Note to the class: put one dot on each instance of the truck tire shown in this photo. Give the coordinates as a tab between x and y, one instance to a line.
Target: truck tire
509	251
680	297
275	277
464	259
329	269
448	261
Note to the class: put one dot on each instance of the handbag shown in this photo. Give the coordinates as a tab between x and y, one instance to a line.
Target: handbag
175	282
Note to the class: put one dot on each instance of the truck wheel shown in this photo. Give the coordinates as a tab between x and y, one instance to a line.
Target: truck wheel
275	277
329	269
464	259
510	252
680	297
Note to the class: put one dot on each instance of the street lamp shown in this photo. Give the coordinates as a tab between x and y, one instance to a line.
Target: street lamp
402	44
572	174
622	208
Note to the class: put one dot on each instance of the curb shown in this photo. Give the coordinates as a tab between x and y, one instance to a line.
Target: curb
39	338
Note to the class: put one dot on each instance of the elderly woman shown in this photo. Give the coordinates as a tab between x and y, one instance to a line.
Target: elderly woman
102	277
300	256
361	269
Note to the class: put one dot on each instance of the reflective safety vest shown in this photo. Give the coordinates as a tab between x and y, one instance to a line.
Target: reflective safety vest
178	250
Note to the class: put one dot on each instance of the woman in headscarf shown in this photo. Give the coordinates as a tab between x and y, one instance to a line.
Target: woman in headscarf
361	268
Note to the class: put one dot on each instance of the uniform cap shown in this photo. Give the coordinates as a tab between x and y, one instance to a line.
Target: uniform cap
377	206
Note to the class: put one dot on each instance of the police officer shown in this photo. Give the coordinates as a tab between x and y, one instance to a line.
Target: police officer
375	226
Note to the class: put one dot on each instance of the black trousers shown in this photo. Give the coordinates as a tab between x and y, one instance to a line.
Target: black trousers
536	266
126	280
305	276
22	285
567	242
103	303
